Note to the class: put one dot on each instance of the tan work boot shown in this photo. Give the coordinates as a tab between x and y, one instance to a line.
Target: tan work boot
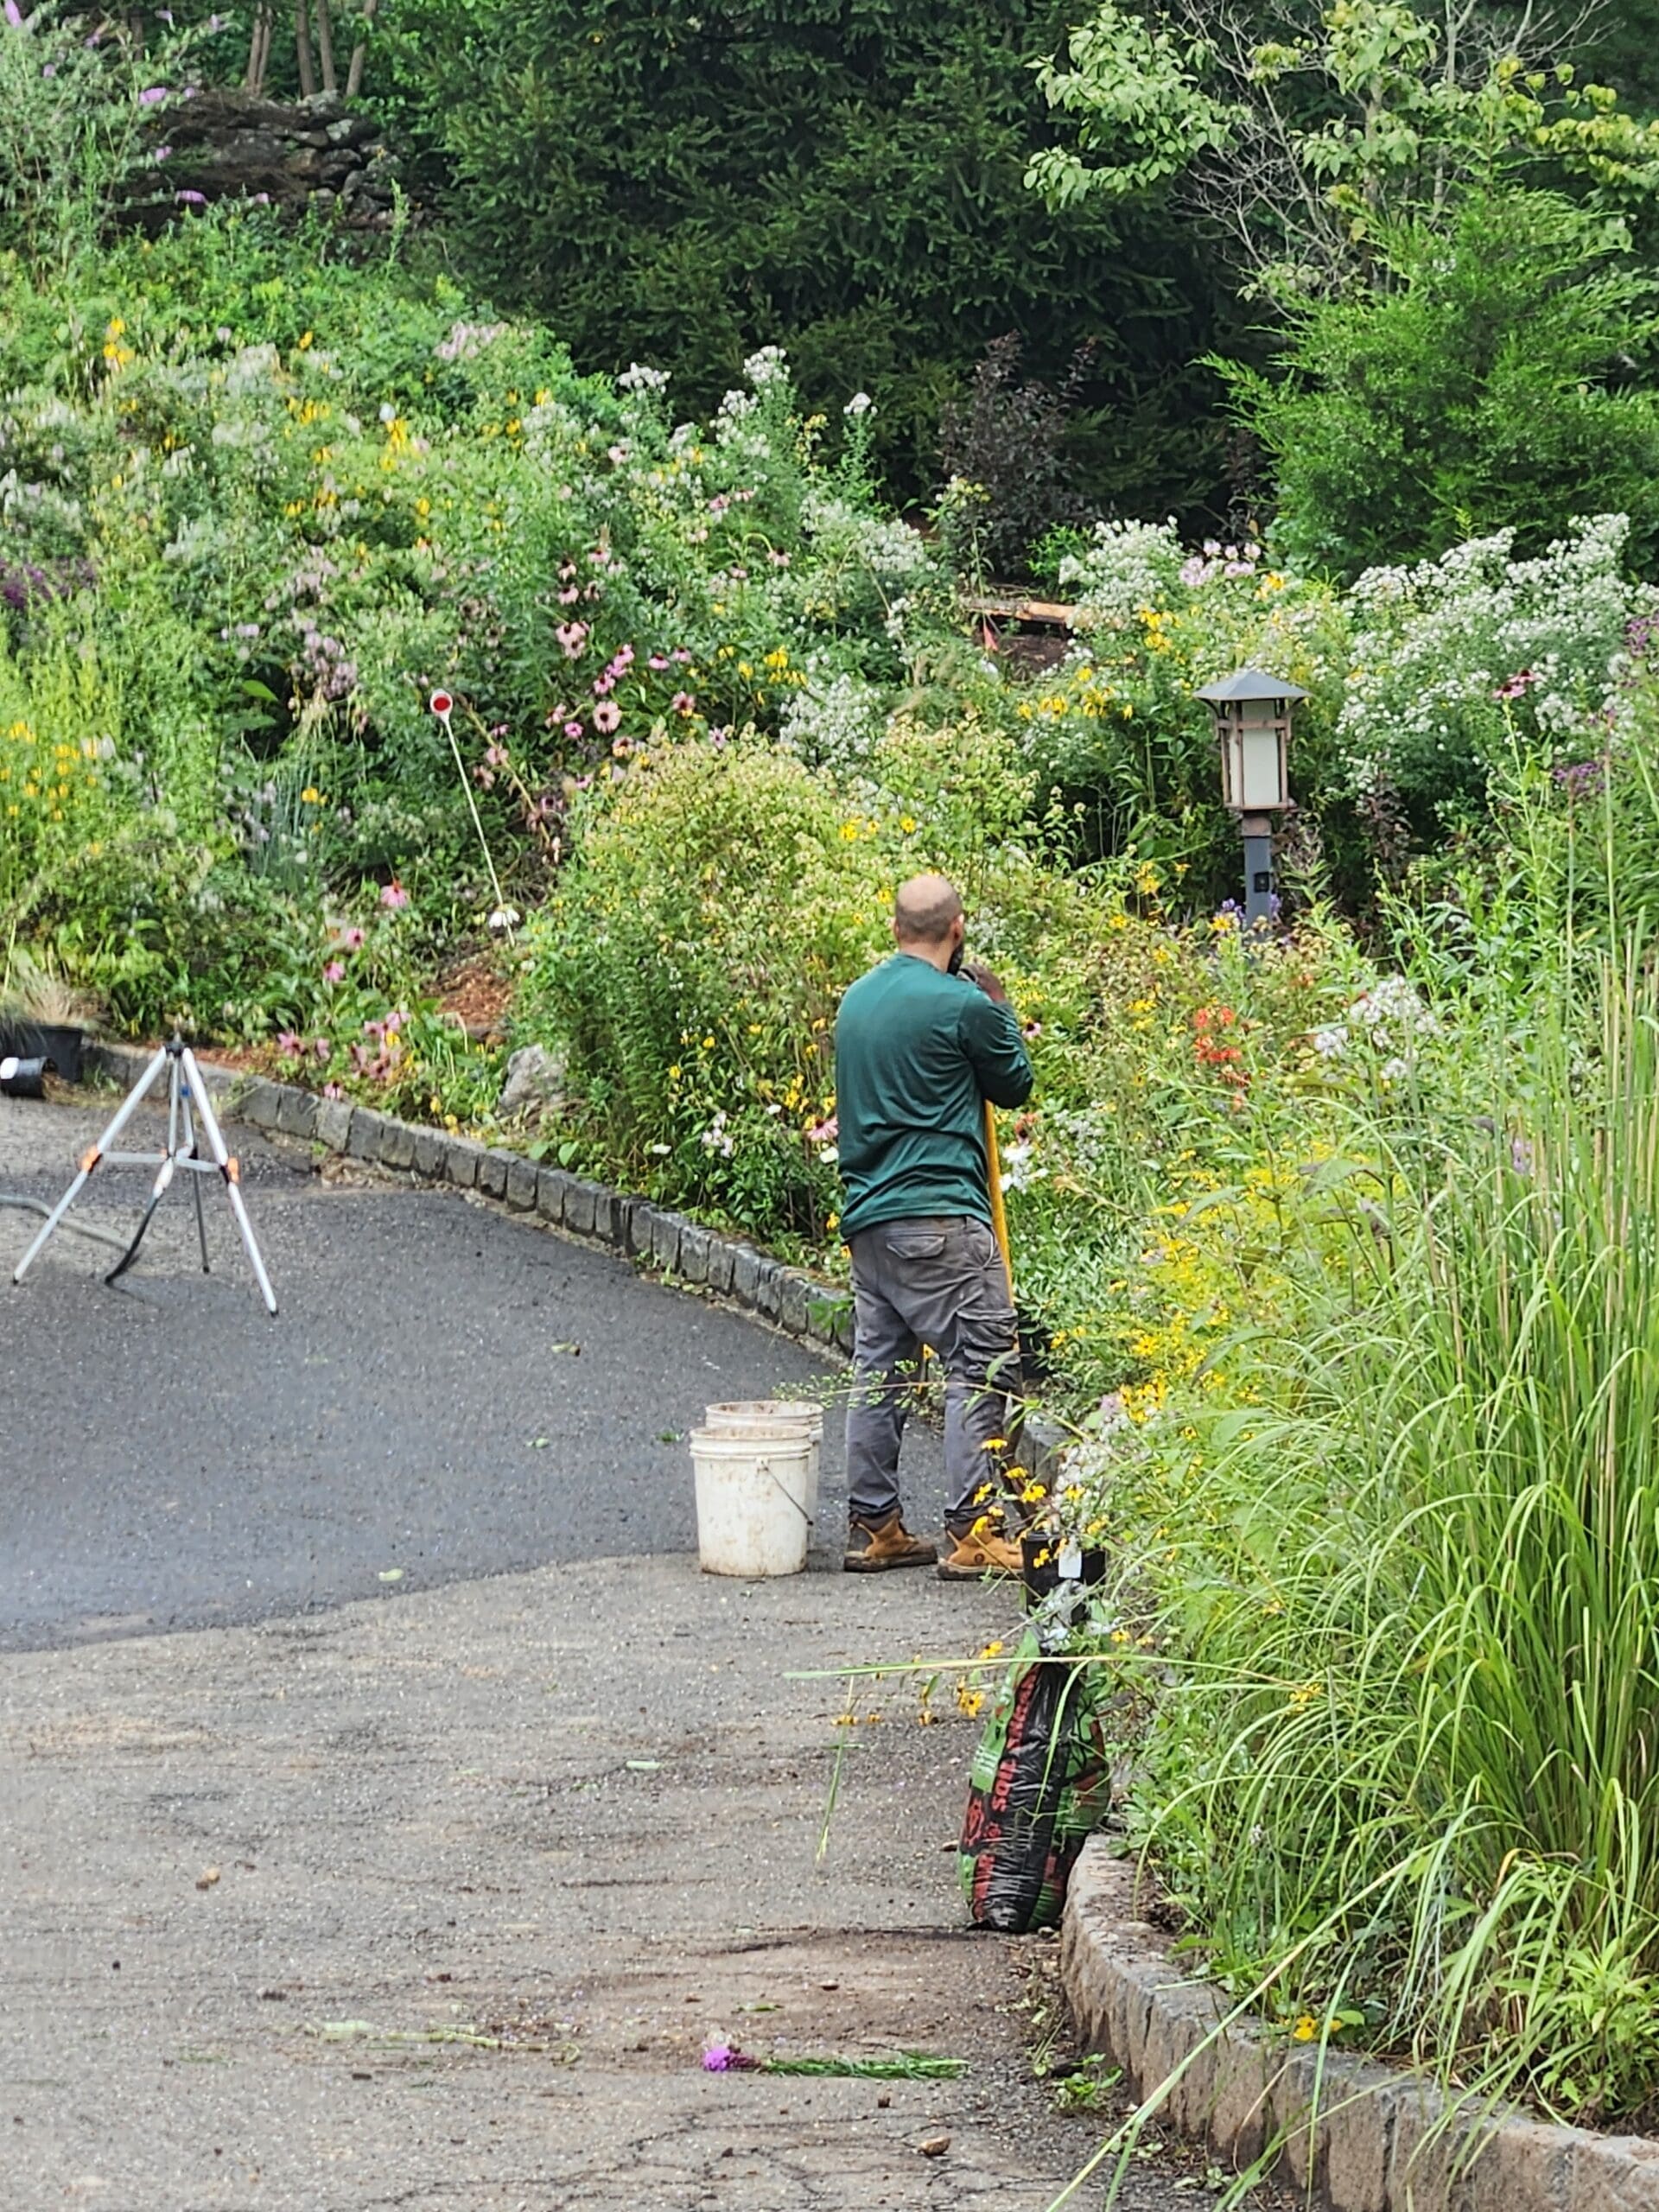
972	1555
873	1547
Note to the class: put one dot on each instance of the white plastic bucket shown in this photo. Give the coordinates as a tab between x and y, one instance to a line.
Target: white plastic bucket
752	1515
774	1417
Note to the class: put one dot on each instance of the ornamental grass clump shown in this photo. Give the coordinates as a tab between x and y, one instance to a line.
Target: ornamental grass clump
1408	1785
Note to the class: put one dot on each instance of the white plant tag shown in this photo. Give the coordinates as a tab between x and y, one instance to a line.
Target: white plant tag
1071	1560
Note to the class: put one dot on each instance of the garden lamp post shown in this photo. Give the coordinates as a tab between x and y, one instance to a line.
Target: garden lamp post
1252	714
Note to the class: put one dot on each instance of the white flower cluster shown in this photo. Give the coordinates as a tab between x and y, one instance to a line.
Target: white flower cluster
844	535
637	378
1128	565
769	367
1390	1020
836	724
1440	650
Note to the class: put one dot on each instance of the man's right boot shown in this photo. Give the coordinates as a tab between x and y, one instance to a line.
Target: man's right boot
875	1546
971	1554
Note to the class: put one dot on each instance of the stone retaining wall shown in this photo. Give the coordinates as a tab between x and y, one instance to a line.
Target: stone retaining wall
1368	2149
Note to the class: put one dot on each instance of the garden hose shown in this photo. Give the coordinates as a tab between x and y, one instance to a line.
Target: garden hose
80	1227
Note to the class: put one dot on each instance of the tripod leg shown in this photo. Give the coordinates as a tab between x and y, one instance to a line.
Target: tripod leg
90	1159
228	1169
194	1151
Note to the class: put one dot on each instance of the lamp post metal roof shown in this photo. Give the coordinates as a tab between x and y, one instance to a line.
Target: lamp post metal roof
1249	683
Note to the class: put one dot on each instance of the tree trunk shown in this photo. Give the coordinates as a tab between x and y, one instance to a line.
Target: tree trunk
302	50
326	47
360	52
258	51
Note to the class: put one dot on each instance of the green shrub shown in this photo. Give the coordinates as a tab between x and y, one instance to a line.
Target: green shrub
1487	388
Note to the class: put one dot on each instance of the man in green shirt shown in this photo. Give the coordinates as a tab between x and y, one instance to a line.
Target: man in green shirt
919	1048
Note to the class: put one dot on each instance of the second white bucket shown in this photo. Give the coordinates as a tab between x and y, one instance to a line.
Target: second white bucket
768	1417
753	1516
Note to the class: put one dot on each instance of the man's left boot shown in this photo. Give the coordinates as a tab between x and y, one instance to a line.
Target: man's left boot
875	1546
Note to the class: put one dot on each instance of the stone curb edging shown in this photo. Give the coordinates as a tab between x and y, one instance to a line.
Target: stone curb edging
1367	2150
790	1299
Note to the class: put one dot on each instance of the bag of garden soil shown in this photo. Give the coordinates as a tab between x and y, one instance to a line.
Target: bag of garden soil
1040	1783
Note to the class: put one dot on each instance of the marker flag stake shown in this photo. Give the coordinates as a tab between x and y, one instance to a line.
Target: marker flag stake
443	706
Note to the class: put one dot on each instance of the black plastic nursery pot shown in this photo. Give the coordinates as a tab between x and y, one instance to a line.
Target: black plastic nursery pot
1039	1566
58	1044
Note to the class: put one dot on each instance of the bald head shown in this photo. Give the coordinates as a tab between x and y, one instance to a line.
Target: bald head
927	916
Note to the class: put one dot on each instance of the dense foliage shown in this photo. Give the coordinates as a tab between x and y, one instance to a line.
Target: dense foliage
846	179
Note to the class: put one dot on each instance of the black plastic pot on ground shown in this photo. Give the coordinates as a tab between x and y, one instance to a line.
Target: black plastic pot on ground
60	1044
1039	1566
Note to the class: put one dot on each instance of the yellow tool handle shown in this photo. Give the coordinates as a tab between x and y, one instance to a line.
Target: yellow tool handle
999	1212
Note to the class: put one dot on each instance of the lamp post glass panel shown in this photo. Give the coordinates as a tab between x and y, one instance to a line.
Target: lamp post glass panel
1252	714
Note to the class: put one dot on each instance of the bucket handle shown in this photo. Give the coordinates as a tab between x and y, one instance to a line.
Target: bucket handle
765	1462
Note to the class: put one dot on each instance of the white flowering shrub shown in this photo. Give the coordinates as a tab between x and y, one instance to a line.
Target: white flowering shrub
1128	565
836	722
1455	660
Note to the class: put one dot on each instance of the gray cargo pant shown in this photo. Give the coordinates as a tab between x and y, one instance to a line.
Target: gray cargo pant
937	1281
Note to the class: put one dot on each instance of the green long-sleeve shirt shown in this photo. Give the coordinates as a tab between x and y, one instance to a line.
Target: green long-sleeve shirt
918	1053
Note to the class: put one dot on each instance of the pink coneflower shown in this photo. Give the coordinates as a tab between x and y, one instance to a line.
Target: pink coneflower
321	1047
683	703
289	1045
394	895
573	636
607	715
334	972
572	730
351	938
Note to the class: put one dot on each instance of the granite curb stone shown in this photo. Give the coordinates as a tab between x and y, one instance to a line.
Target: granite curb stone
1355	2135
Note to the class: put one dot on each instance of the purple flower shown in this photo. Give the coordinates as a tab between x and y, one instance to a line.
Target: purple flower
683	703
1517	685
726	2058
1583	779
14	15
572	729
351	938
162	153
334	972
152	96
394	895
191	199
289	1045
